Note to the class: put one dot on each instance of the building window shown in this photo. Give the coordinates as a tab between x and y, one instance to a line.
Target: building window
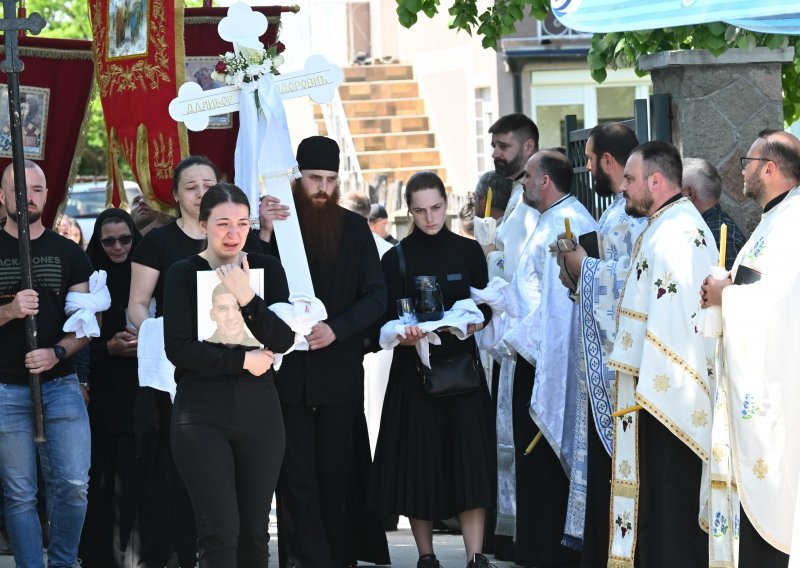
484	118
555	94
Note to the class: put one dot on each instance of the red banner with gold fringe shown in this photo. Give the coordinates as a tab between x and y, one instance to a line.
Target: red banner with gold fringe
55	89
203	48
138	47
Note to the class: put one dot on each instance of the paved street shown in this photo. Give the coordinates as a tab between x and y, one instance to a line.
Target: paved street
449	549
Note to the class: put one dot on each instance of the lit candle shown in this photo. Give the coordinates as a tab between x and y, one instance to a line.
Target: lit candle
488	212
723	241
568	230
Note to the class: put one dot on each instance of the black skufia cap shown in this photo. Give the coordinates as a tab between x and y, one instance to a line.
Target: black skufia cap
318	153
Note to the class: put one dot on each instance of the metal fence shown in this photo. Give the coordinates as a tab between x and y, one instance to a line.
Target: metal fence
652	125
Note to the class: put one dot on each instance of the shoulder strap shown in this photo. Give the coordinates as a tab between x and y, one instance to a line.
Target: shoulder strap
401	259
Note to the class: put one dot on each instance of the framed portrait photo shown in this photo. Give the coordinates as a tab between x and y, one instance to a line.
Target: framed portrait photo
34	104
127	28
219	319
198	70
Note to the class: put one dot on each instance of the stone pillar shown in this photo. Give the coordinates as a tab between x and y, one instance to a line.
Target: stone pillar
719	105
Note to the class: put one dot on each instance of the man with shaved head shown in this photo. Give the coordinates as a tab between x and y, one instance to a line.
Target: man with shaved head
59	266
756	458
541	343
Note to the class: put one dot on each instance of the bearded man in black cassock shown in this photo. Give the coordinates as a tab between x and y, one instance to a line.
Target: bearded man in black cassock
322	390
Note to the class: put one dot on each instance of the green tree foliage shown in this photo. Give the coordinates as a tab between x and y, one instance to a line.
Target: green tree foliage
613	50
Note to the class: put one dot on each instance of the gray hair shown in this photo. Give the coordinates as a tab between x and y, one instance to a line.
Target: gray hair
701	175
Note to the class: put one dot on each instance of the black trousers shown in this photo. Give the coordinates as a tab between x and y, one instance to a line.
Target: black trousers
670	473
108	539
754	551
164	514
227	441
312	490
542	486
598	501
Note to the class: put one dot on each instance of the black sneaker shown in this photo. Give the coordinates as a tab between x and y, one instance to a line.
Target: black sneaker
480	561
428	561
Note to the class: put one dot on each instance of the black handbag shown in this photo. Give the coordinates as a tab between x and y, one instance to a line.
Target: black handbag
449	375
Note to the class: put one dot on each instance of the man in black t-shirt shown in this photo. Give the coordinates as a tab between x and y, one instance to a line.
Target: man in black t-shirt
58	266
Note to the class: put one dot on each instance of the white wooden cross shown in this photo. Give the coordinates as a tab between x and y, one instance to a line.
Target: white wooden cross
263	148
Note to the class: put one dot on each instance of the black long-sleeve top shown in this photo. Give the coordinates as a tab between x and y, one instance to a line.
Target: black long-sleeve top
457	262
198	360
354	294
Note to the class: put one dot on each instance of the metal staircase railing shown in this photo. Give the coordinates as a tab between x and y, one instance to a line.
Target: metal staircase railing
350	175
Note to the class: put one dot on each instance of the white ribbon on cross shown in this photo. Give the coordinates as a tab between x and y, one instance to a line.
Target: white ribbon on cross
263	147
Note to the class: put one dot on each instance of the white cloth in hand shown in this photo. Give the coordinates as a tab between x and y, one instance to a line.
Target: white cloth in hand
301	313
155	370
456	321
484	229
500	297
82	307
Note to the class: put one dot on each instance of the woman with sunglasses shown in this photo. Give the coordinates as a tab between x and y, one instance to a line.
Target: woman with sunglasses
227	428
107	540
165	515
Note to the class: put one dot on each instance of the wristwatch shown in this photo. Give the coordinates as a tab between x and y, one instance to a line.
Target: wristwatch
61	353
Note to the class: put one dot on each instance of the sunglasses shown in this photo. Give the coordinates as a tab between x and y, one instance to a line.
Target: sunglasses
124	240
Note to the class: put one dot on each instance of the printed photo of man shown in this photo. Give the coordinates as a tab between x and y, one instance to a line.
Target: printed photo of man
226	315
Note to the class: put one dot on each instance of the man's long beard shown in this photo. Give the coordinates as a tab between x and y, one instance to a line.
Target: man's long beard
320	224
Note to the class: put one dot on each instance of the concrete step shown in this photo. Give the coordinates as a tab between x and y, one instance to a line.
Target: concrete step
402	174
394	141
388	124
363	73
379	108
394	159
379	90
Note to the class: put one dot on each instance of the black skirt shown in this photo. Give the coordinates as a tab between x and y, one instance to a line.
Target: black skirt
435	457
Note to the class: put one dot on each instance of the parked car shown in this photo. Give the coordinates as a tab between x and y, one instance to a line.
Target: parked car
87	199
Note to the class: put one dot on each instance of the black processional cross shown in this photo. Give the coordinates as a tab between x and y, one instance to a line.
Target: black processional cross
12	66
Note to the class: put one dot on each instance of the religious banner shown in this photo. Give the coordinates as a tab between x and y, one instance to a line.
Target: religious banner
139	57
55	90
204	47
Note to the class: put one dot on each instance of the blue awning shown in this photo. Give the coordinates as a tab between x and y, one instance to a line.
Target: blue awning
604	16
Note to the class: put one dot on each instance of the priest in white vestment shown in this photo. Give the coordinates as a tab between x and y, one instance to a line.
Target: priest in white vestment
541	340
515	138
755	452
598	282
665	366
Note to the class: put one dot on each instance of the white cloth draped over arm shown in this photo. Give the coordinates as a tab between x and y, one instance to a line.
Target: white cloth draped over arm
301	313
155	370
455	320
82	307
500	297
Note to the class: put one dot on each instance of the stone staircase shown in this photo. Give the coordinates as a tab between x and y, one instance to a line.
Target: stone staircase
387	119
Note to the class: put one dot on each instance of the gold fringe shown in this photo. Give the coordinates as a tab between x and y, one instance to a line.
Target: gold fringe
619	563
196	20
42	53
624	489
180	62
